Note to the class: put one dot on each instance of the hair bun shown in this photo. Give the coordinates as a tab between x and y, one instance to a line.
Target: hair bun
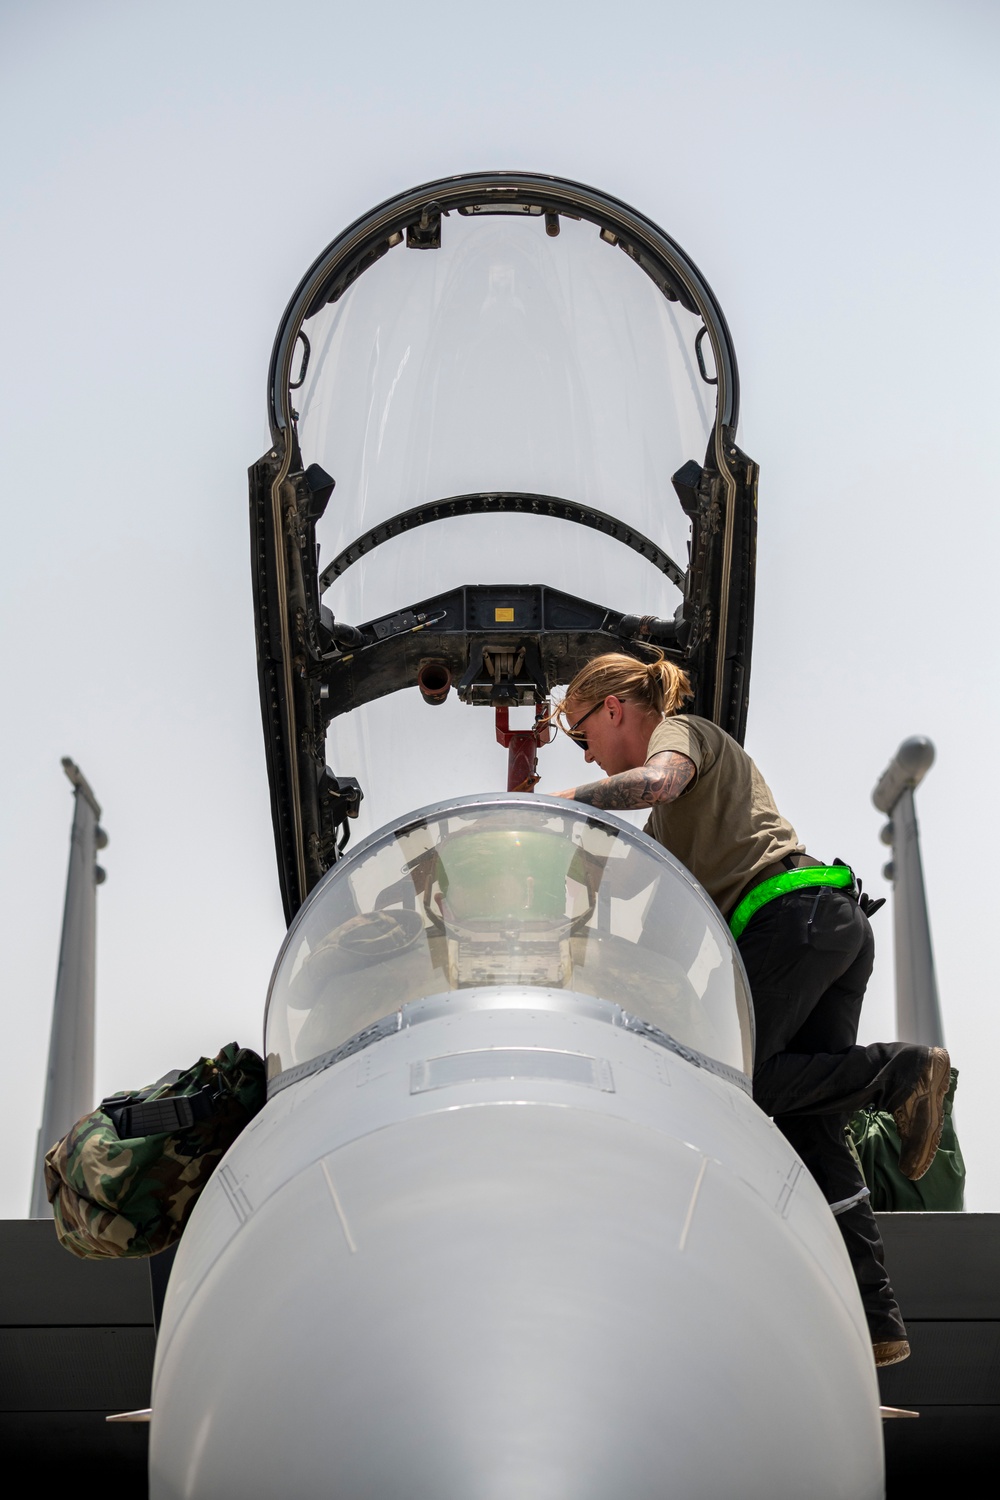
659	684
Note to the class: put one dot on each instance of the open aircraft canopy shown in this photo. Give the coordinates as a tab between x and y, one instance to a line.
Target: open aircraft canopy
501	414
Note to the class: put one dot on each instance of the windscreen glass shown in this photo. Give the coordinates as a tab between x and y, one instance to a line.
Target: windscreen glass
515	894
507	359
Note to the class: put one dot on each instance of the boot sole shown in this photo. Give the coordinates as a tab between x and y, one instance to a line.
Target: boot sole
895	1359
940	1081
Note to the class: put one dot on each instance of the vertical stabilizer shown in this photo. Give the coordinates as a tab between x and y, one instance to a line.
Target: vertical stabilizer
69	1082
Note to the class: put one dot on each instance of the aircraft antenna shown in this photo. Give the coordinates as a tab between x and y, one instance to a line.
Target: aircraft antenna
918	1009
69	1082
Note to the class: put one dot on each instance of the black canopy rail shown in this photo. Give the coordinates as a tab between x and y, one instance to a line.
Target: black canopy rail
416	217
502	502
501	645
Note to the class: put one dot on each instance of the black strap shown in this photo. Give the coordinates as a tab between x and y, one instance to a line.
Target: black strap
134	1117
868	904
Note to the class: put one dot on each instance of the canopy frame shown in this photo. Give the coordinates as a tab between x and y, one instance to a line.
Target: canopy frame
312	668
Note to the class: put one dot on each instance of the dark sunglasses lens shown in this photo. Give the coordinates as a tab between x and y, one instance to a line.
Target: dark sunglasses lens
572	731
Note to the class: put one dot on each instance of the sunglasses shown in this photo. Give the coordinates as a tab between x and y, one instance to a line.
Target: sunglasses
581	739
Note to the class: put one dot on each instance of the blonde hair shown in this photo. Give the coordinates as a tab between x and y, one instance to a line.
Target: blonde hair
659	685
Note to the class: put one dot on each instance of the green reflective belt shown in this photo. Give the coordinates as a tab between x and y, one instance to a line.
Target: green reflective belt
780	885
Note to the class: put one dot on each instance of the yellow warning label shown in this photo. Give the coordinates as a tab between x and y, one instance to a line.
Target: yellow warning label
504	615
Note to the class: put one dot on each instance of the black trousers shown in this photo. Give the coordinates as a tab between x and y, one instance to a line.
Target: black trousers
809	956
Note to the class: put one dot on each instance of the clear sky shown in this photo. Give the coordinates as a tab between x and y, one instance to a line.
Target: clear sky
169	173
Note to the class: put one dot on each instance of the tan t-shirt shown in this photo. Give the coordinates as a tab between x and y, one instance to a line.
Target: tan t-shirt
725	827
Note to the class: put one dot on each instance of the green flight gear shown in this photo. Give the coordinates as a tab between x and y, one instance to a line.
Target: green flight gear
124	1180
875	1139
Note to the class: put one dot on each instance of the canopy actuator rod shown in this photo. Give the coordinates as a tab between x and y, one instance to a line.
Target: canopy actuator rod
522	747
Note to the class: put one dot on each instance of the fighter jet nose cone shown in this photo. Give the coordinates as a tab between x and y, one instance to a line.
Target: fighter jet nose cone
514	1301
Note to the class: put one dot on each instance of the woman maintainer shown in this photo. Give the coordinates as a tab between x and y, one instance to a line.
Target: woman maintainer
803	933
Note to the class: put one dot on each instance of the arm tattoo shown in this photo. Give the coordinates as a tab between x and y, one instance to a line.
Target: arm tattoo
661	779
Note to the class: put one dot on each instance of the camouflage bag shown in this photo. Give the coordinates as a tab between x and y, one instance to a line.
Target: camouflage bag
124	1180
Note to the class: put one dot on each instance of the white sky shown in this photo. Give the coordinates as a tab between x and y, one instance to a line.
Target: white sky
169	173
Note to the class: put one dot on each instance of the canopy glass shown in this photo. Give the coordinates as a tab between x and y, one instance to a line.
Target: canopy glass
503	412
512	893
506	359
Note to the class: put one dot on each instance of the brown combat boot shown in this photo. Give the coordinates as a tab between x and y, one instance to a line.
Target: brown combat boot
920	1118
